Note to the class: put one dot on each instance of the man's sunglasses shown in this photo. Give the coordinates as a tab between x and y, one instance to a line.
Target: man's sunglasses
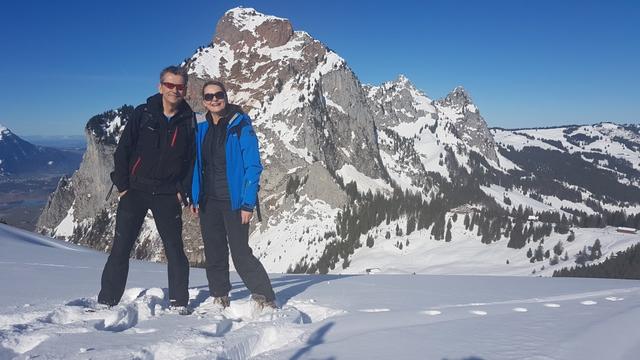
170	86
219	95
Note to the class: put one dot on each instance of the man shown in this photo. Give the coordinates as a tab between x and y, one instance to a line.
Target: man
151	172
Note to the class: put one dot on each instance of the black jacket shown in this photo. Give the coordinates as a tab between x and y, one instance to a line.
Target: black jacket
155	155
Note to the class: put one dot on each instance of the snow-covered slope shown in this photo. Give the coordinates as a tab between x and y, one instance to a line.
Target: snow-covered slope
47	301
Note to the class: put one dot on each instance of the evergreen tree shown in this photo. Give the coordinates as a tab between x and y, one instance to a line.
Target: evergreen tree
516	238
596	250
558	248
438	228
539	254
624	265
411	224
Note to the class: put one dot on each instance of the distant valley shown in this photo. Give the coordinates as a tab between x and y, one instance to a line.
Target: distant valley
30	171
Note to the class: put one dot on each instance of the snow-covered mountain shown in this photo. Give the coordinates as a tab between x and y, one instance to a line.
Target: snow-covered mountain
48	310
19	157
381	178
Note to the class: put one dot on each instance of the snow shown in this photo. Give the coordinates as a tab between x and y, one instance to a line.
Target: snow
207	62
467	255
398	174
332	104
506	164
3	131
517	198
305	224
115	127
48	312
66	226
292	50
349	173
605	143
471	108
248	19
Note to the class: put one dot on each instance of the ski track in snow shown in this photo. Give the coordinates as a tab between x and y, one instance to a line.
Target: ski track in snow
241	331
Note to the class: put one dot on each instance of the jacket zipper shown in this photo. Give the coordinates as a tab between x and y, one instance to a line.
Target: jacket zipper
136	165
175	135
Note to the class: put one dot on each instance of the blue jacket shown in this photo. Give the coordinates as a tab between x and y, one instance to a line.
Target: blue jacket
243	162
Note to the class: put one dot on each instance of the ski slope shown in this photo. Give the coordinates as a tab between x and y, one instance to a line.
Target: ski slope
47	311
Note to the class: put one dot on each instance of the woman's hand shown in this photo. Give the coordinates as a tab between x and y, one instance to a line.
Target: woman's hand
245	216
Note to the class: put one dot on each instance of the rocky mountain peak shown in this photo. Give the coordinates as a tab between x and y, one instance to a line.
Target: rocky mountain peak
4	131
403	80
459	97
248	27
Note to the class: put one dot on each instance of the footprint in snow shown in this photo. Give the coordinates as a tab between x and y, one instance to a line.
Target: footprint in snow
551	305
431	312
588	302
478	312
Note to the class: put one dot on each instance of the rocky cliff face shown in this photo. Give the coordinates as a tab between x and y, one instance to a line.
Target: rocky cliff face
78	211
468	123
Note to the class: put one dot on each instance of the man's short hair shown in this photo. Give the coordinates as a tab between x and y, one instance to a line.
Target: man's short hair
175	70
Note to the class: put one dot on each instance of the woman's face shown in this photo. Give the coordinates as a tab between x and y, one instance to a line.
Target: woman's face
214	99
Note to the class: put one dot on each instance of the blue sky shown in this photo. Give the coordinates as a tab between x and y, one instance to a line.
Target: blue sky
525	63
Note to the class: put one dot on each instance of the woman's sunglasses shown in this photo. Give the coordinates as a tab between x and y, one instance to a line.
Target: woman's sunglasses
219	95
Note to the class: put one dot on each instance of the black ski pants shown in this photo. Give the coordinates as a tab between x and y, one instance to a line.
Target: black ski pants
130	215
222	229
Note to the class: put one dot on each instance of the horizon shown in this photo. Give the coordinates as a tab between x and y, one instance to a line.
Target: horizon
579	56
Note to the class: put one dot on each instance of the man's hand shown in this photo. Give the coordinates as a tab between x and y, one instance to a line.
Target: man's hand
245	216
121	194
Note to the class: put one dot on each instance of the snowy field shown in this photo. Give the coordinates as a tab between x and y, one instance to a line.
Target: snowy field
48	288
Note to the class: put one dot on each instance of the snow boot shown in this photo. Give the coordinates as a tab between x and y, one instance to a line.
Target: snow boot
262	302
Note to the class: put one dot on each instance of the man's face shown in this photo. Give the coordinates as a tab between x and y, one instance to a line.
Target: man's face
172	88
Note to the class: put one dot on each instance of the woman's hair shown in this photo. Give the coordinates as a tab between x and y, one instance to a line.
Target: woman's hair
216	83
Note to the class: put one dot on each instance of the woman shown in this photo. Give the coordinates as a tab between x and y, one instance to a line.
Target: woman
224	189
